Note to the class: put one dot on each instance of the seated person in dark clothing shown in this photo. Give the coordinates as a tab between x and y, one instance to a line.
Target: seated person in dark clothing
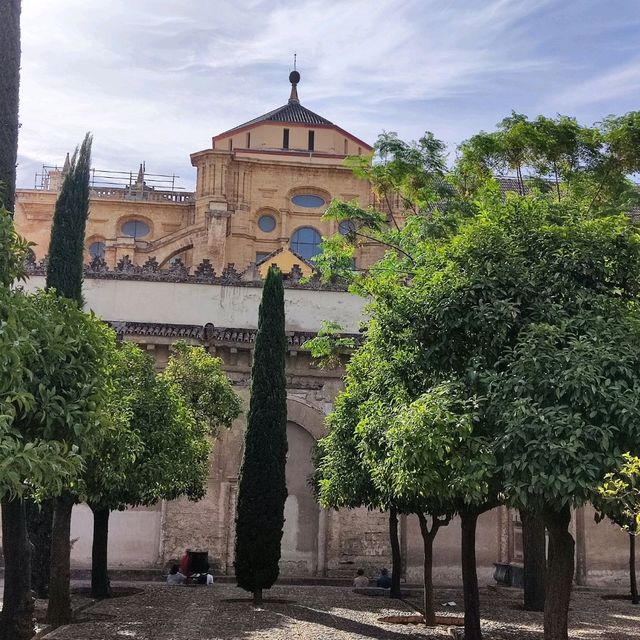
384	579
175	577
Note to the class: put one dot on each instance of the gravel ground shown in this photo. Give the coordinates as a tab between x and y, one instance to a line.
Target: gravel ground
324	613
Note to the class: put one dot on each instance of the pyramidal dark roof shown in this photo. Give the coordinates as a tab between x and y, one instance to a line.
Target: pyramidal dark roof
292	112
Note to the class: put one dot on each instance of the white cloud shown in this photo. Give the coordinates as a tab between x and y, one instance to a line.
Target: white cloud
622	81
154	79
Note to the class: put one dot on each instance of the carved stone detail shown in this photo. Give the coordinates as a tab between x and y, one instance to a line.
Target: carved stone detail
151	266
204	273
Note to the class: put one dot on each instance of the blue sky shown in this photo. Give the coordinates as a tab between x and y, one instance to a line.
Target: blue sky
155	79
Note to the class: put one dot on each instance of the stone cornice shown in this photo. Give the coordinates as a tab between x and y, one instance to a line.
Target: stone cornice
208	333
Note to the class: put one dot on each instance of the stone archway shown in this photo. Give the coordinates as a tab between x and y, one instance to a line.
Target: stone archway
310	419
304	535
305	531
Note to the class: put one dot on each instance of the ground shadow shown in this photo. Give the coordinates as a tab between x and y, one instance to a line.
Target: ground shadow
264	601
339	623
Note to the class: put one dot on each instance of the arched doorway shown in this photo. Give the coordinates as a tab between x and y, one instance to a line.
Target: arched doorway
301	512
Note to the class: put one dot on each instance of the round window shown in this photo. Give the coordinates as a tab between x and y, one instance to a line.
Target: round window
135	229
346	227
306	242
267	223
96	250
308	201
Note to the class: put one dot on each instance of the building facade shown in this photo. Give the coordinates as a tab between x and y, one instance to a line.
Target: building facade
164	265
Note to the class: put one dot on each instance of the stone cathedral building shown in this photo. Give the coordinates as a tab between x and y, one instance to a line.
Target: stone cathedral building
165	264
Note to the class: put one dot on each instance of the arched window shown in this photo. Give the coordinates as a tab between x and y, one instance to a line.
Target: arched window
306	242
96	249
135	229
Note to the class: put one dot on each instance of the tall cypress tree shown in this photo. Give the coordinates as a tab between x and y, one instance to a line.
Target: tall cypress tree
64	274
262	489
9	83
66	248
16	619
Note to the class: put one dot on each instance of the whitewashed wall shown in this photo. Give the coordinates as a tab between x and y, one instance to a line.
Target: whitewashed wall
224	306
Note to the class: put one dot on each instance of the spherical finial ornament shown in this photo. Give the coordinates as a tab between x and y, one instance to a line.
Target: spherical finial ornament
294	77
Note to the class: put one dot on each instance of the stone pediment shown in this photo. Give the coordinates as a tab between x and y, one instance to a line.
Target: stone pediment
287	261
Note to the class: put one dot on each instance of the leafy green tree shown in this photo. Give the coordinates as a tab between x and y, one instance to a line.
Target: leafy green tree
27	464
566	400
157	445
619	500
589	165
340	478
428	223
9	99
385	451
462	281
200	378
61	384
262	487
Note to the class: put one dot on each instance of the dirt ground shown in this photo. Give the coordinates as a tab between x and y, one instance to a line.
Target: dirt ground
162	612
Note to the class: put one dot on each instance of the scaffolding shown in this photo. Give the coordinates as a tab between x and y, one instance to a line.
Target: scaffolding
125	184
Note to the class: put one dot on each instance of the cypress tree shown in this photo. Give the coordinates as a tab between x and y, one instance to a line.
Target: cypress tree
9	84
66	248
262	489
16	619
64	274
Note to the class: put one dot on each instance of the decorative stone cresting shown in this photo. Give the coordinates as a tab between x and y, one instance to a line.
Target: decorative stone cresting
204	273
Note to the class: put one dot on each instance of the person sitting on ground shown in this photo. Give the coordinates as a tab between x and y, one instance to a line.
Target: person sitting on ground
360	581
384	579
175	577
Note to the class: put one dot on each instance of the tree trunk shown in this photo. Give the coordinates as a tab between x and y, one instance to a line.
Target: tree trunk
39	525
396	557
427	541
100	584
635	599
535	561
468	521
18	607
559	574
520	180
257	598
59	609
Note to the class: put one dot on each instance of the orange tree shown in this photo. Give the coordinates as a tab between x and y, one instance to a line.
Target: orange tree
157	437
53	359
457	300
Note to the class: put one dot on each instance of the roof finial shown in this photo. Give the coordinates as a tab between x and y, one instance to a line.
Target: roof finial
67	164
294	78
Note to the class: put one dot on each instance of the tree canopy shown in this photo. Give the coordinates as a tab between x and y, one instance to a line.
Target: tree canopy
503	328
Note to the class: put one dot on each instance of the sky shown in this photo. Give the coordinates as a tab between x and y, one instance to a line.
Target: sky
153	80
